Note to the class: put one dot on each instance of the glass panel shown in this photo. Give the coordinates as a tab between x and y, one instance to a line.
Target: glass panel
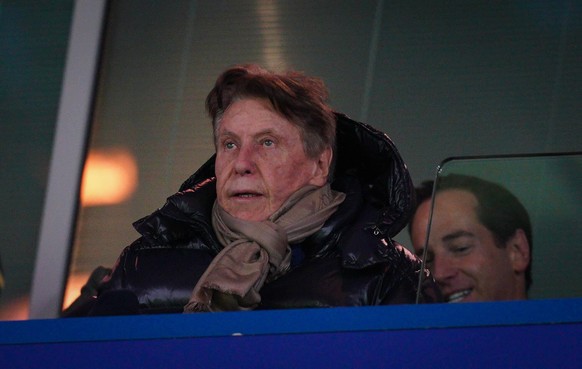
463	251
33	45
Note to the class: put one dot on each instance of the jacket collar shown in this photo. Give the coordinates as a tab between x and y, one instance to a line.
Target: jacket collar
371	171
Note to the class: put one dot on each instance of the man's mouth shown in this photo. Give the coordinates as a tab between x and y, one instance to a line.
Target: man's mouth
459	296
246	195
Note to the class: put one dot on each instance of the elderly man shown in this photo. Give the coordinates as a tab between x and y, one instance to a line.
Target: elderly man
479	247
266	223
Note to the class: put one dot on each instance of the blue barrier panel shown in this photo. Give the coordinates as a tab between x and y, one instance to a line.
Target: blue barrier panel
523	334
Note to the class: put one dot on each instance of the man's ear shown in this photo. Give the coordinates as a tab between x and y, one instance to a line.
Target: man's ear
519	251
323	164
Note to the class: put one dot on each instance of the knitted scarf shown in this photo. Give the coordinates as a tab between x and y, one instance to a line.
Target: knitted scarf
258	252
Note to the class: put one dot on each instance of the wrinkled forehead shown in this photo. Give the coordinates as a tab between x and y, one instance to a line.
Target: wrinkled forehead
257	103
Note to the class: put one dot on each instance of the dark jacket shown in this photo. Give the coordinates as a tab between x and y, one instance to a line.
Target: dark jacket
351	261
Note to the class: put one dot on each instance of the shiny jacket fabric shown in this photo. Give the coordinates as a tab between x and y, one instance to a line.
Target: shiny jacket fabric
351	261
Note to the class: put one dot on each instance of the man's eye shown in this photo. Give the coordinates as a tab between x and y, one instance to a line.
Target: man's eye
268	143
229	145
460	249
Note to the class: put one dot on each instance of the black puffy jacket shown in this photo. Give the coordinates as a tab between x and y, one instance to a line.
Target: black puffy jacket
351	261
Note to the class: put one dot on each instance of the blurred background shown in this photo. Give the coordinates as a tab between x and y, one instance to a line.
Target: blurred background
441	78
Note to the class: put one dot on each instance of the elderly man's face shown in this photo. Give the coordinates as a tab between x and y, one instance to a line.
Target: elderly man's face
260	161
462	254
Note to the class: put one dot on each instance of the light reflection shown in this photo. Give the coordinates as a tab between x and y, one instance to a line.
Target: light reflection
75	282
15	309
109	177
270	25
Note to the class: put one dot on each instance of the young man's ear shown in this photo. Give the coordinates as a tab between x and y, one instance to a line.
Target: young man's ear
519	251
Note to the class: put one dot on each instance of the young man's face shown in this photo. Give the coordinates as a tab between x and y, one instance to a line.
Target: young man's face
260	161
462	253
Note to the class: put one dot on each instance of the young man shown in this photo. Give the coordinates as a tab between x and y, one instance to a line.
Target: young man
479	247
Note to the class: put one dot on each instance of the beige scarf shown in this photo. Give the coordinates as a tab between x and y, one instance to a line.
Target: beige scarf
256	252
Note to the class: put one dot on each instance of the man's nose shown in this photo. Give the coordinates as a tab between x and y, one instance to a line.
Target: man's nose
443	268
244	163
